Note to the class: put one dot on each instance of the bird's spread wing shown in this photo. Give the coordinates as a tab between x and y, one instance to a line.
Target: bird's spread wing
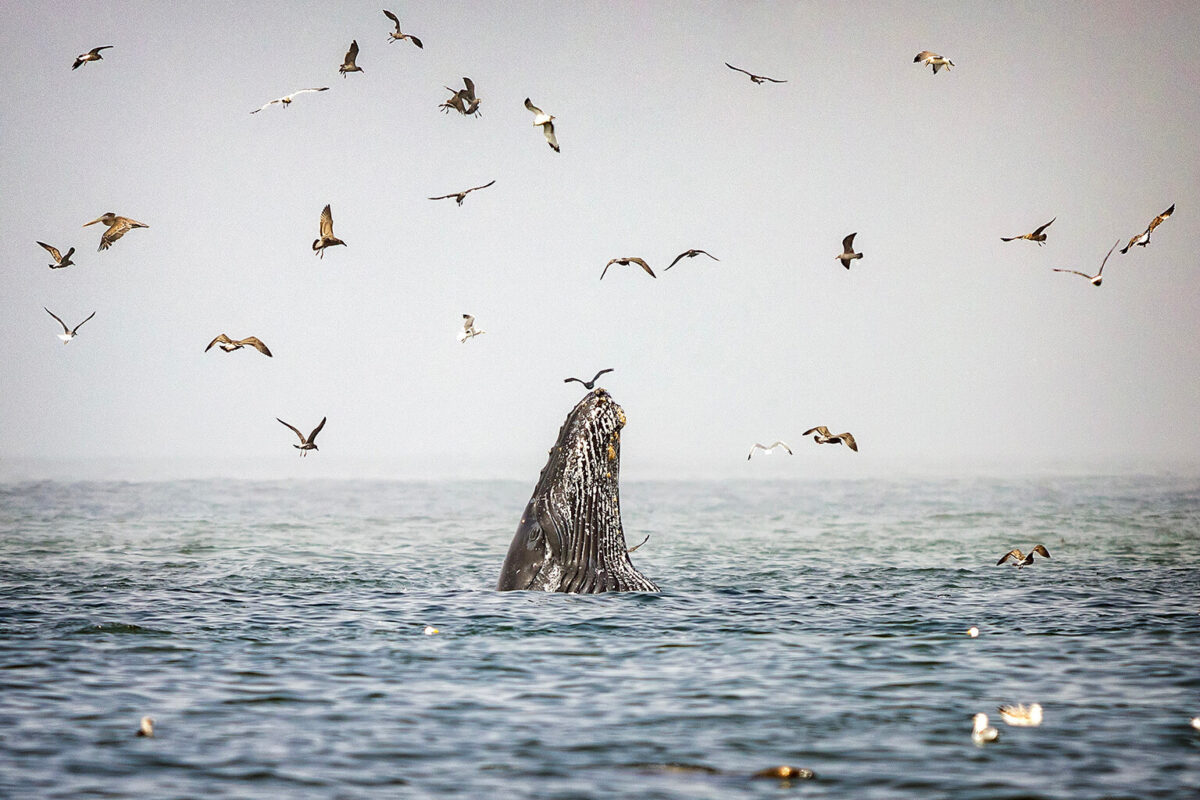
772	80
756	445
486	185
848	243
639	544
705	252
577	380
601	372
848	440
1042	228
923	55
1075	272
1041	550
393	18
352	53
1014	553
96	50
644	266
1105	261
60	322
821	429
326	222
783	445
312	437
295	430
266	104
532	107
221	338
738	69
1158	220
470	84
52	250
80	325
468	321
676	261
257	344
548	130
1010	238
606	266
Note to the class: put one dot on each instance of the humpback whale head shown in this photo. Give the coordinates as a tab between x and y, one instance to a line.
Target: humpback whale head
570	537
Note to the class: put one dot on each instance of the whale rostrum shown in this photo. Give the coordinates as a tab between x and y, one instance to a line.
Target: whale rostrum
570	537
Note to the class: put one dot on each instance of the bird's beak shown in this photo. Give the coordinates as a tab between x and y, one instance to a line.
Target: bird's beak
93	222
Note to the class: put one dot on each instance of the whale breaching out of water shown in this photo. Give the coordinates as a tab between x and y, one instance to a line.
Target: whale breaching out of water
570	537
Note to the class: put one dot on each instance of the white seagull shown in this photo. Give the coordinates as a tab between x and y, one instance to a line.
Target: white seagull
68	333
287	99
547	122
1096	279
768	450
1022	716
983	733
146	727
933	60
468	330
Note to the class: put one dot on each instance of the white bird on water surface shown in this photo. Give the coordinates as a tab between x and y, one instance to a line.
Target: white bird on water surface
983	733
1022	716
146	727
68	333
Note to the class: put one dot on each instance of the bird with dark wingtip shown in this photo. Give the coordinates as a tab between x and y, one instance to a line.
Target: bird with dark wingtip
1019	559
847	255
1098	278
589	385
397	35
753	77
68	333
460	196
625	262
547	122
60	260
90	55
767	450
823	436
691	254
348	64
229	345
306	444
933	60
117	227
327	239
1037	235
1143	238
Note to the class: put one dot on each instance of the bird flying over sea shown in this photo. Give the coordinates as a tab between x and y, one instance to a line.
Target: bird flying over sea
1036	236
546	121
117	227
306	444
753	77
68	333
589	385
767	450
847	255
287	99
823	436
90	55
1019	559
626	262
396	35
348	64
460	196
1143	239
60	260
229	345
691	254
327	239
1096	279
933	60
1022	716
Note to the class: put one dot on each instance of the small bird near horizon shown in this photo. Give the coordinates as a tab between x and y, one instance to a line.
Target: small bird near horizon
460	196
348	64
305	444
469	331
625	262
547	122
847	255
589	385
691	254
287	99
146	727
1143	238
1019	559
767	450
823	436
1036	236
1022	716
1096	279
117	227
933	60
68	333
982	733
327	238
60	260
90	55
229	345
397	35
753	77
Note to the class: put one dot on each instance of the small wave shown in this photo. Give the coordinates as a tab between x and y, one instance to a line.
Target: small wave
120	627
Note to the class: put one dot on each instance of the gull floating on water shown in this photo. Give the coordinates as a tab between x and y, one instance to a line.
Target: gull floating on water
973	632
460	196
348	64
90	55
933	60
1036	236
60	260
625	262
287	99
589	385
1196	723
327	238
468	330
1095	279
1143	239
1022	560
847	255
785	772
982	733
397	36
753	77
691	254
68	333
767	450
823	436
1022	716
117	227
146	727
546	121
229	345
305	444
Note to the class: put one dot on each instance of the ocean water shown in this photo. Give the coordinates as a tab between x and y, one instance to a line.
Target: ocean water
274	631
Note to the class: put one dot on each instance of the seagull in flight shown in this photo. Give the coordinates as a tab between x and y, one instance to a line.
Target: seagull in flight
305	444
1095	279
468	330
327	238
823	436
1036	236
933	60
589	385
626	262
547	122
1143	239
753	77
348	64
847	255
90	55
691	254
460	196
229	345
1020	559
117	227
767	450
68	333
463	101
60	260
397	36
287	99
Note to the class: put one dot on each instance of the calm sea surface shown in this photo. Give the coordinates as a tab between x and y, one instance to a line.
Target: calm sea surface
274	631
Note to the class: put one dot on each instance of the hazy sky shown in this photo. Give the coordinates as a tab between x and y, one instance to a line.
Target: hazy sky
942	350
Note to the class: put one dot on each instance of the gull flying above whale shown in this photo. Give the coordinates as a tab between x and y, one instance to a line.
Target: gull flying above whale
90	55
767	450
933	60
460	196
1096	279
626	262
68	333
469	331
327	238
60	260
348	64
305	444
117	227
287	99
847	255
1019	559
547	122
397	35
1036	236
229	345
753	77
1143	239
589	385
823	436
691	254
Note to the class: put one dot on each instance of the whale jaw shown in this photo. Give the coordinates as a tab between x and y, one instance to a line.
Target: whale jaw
570	537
